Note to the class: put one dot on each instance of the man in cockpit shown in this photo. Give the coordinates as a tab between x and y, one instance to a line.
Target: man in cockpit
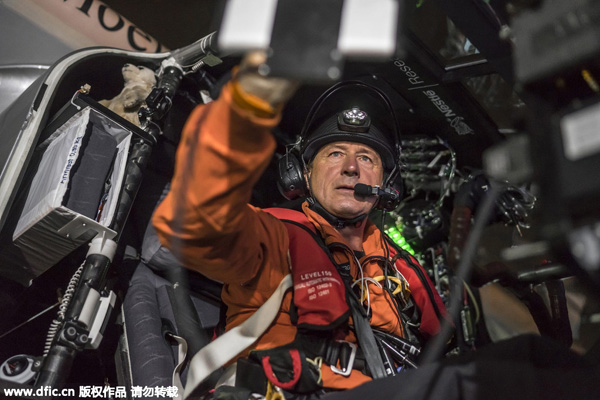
351	286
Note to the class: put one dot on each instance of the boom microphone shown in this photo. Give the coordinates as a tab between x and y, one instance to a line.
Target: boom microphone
365	190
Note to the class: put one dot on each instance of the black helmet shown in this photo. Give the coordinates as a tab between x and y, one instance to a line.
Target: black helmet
351	125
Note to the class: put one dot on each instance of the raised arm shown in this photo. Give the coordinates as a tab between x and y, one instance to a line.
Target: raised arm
225	147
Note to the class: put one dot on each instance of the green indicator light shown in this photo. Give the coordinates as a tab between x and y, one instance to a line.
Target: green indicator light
397	237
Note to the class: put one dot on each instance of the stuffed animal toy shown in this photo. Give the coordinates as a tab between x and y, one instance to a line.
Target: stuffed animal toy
139	82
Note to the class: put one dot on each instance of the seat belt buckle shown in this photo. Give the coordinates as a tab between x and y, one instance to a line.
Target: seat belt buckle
345	366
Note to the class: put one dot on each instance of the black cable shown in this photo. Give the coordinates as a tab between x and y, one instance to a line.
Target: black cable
435	349
399	356
386	264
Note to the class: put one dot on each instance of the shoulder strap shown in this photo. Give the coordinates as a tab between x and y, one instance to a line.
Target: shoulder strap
230	344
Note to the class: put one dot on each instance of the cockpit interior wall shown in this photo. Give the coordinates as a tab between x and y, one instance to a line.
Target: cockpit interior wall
88	23
31	44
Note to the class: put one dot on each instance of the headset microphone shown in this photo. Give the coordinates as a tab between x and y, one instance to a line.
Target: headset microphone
389	198
365	190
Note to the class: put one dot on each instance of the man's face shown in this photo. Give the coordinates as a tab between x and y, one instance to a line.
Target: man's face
335	170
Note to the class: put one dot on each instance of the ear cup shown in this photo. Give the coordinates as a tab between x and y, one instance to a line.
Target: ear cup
290	182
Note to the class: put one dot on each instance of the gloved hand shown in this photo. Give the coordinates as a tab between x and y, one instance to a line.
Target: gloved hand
255	81
512	204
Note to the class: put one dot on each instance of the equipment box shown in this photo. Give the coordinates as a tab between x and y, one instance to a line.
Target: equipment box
75	190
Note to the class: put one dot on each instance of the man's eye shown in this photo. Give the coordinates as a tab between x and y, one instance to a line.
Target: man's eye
365	158
335	154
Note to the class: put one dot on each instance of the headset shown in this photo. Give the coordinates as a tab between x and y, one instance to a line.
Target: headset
291	166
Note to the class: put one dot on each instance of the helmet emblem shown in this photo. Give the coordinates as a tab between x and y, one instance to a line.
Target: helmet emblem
355	116
354	120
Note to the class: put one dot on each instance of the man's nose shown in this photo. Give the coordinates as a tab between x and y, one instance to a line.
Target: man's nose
350	166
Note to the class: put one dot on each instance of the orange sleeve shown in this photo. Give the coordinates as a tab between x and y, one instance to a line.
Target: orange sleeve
205	220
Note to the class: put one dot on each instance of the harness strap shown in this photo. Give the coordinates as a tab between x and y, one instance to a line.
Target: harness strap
182	348
366	340
341	356
224	348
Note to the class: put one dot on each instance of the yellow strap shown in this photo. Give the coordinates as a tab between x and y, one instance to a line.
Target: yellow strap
317	362
273	392
402	286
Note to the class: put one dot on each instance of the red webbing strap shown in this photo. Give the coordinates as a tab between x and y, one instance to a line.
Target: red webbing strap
296	369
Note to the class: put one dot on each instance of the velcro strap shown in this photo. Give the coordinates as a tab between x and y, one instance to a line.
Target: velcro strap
288	368
296	370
